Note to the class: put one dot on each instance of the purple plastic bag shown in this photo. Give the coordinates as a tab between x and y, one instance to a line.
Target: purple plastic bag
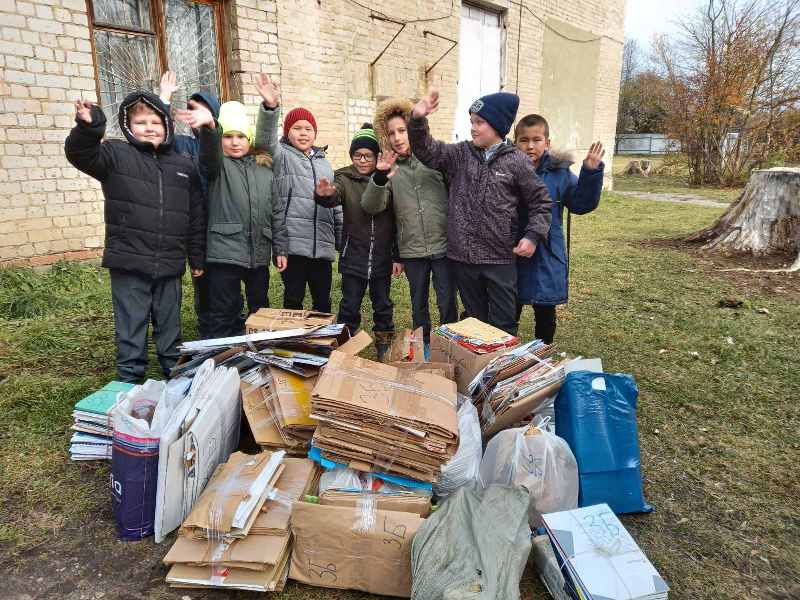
134	477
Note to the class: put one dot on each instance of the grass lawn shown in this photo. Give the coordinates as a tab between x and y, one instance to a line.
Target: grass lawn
718	430
671	182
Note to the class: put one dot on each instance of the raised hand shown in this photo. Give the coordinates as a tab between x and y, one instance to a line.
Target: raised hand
168	86
426	106
525	248
325	188
83	110
196	116
386	162
270	90
594	156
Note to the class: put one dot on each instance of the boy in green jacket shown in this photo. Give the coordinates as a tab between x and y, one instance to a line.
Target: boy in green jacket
418	197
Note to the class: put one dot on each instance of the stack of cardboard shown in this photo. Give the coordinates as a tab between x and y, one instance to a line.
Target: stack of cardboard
281	319
376	417
237	535
469	346
92	423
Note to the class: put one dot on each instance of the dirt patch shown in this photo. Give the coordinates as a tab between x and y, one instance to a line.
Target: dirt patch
718	264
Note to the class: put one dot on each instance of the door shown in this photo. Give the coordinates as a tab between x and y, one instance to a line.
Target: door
480	61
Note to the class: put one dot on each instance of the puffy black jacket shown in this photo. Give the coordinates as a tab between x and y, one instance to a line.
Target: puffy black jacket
368	241
154	210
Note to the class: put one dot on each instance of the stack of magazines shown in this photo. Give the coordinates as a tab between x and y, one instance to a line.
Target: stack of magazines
477	336
92	424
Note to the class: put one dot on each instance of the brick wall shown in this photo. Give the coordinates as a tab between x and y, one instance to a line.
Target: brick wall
320	49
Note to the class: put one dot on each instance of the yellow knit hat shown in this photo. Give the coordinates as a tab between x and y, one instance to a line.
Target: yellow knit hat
233	117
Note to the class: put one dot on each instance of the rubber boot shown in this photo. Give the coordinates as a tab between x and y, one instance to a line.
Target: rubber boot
383	341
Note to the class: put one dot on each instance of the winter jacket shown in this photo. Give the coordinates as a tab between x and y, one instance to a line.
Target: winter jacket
154	211
419	197
314	231
484	196
245	221
542	279
189	145
368	242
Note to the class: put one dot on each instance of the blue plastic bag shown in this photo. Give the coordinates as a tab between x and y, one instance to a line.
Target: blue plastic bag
596	415
134	478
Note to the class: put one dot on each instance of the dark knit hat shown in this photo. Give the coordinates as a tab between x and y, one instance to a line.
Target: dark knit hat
298	114
499	110
365	138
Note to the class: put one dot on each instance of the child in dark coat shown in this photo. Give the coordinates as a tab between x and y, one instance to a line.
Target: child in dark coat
542	279
154	217
366	259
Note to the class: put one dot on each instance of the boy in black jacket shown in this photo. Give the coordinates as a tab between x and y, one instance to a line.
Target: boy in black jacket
154	218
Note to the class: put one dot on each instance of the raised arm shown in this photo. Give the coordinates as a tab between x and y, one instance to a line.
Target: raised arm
583	194
268	114
198	117
432	153
376	197
83	147
328	194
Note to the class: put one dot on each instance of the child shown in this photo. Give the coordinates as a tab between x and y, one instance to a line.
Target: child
154	217
419	198
245	221
314	231
189	145
368	241
542	279
488	180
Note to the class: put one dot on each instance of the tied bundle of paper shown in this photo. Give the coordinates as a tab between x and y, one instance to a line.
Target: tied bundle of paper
237	535
376	417
93	425
515	384
477	336
599	559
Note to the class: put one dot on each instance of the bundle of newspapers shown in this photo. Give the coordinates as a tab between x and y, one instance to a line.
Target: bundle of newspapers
378	417
515	384
477	336
93	427
238	534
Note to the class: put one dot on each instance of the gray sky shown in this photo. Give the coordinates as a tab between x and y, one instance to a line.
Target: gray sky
643	18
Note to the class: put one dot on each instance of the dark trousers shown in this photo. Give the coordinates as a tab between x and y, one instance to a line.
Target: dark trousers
226	303
137	300
317	273
202	306
353	289
489	293
544	316
418	272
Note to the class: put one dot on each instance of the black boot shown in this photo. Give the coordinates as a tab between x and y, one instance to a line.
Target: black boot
383	341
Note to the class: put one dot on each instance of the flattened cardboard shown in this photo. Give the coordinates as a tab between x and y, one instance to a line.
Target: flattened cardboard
466	363
443	369
262	423
281	319
408	503
356	344
519	410
329	552
254	552
298	478
293	395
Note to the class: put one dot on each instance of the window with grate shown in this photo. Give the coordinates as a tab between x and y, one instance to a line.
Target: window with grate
137	40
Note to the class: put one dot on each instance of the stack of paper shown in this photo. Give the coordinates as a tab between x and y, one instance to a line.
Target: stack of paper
374	416
598	557
237	535
92	423
477	336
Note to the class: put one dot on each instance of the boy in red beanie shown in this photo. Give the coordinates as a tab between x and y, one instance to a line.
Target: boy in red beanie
314	231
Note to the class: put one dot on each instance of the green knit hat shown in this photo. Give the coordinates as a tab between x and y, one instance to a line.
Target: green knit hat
365	138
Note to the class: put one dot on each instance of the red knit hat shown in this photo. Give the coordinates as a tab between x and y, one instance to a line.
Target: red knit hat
298	114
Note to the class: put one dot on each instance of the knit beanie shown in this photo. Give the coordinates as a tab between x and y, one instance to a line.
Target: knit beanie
233	117
365	139
499	110
298	114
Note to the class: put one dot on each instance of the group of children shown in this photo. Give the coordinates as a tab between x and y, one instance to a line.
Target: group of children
483	217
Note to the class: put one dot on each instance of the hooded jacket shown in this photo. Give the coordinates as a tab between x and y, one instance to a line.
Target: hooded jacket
368	242
417	194
484	196
314	231
154	211
246	222
543	278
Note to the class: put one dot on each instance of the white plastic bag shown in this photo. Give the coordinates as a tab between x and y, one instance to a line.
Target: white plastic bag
340	479
538	460
465	465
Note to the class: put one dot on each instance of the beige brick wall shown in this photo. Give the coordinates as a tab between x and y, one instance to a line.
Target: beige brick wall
320	49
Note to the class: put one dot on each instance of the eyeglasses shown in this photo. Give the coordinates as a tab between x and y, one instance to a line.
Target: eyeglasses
363	157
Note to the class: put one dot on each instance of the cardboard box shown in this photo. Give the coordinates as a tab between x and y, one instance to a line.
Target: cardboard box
330	552
410	503
467	364
281	319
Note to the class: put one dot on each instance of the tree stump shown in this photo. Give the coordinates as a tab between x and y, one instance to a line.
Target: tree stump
641	168
765	218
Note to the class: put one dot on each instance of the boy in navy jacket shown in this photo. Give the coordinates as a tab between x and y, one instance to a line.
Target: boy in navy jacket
542	279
